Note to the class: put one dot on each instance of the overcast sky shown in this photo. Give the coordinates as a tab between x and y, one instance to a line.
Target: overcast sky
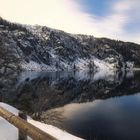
118	19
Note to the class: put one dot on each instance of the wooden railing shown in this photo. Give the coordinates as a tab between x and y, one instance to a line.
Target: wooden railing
25	127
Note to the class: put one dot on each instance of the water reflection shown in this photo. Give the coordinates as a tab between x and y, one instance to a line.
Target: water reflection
35	92
70	100
111	119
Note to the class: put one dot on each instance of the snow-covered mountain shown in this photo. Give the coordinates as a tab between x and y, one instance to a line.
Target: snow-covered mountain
41	48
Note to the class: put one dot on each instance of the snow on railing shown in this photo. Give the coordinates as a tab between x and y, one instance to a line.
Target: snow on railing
25	127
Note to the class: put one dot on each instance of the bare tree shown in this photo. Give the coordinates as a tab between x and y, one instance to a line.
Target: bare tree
91	65
74	66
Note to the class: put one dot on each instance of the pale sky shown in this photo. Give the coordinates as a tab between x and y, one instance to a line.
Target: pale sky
117	19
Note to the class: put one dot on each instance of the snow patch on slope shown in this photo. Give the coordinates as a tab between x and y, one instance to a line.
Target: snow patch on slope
34	66
80	64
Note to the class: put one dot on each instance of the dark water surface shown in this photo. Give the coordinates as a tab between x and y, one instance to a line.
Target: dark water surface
111	119
98	106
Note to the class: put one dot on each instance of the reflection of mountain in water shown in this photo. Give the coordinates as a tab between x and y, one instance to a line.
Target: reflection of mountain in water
42	91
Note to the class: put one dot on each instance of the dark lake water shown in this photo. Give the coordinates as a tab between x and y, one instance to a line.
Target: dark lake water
100	106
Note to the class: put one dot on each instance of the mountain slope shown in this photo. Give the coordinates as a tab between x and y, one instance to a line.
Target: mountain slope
43	48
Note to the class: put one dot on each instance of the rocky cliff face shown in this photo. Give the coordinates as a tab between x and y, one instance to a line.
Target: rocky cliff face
43	48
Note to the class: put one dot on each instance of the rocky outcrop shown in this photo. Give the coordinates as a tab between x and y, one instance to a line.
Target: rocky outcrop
43	48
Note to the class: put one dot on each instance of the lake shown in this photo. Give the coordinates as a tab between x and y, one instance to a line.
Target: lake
93	106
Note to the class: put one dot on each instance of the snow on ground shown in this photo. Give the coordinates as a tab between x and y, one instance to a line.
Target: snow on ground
83	64
34	66
56	132
9	132
103	66
80	64
31	66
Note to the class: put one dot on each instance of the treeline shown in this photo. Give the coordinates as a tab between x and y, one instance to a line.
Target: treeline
11	26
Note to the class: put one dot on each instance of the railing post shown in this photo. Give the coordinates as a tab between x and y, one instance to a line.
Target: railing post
21	135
